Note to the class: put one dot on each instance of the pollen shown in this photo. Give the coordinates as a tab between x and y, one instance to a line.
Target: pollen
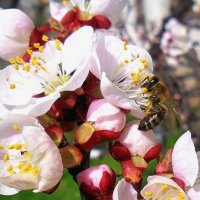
17	146
26	68
12	86
16	127
57	43
45	38
16	66
20	165
41	48
125	45
6	158
126	61
35	171
19	60
36	45
12	60
144	62
34	61
181	196
9	168
65	2
1	147
7	79
148	193
11	146
164	187
24	146
144	90
29	51
27	155
168	198
12	172
136	77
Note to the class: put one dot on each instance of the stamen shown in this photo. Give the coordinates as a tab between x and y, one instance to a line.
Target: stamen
27	155
6	158
36	45
41	48
12	60
16	66
9	168
148	193
26	68
12	86
29	51
164	187
19	60
58	42
125	45
144	62
1	147
35	171
16	127
45	38
17	146
11	146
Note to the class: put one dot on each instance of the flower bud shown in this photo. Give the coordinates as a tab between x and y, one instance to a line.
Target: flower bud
138	142
97	182
15	31
106	116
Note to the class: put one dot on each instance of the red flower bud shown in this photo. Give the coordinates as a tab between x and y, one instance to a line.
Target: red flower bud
56	133
119	152
97	182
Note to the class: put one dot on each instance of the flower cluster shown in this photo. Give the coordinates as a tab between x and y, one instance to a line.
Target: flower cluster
73	75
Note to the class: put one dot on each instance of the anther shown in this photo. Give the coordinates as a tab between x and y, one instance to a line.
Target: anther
16	127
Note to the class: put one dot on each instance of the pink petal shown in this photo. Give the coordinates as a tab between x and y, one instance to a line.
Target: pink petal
57	10
45	155
109	8
124	191
184	159
14	33
138	142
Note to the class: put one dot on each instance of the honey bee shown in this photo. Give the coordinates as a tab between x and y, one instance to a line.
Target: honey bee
158	100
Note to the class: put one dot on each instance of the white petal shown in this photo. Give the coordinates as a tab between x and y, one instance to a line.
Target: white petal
124	190
117	96
8	133
25	86
77	49
109	8
4	190
184	159
45	155
154	185
108	49
38	106
57	10
194	192
14	33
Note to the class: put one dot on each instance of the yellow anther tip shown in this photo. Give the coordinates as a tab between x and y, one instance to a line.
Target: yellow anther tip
144	90
16	127
6	158
148	193
45	38
12	86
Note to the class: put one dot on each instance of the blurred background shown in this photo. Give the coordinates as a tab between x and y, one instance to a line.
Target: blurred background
170	31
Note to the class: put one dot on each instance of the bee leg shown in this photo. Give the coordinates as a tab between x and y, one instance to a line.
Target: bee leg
143	81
